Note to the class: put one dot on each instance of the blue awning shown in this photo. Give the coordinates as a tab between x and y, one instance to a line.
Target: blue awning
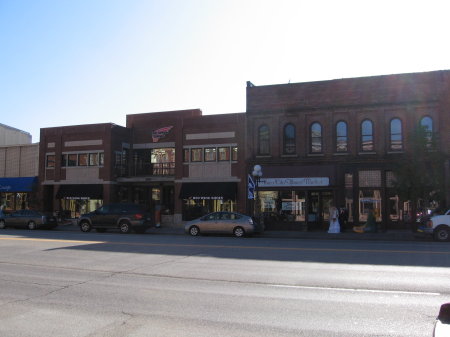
22	184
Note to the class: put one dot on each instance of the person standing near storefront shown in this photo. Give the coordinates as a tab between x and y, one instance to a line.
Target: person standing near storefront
343	218
334	221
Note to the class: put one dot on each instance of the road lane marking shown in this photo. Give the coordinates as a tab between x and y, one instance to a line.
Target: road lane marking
146	244
358	290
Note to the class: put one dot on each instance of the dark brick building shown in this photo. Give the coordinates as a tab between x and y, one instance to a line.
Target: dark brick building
334	142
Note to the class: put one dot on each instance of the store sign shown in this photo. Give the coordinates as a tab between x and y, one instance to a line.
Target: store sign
207	198
5	188
160	133
294	182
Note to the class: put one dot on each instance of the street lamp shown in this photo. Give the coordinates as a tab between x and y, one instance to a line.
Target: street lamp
257	174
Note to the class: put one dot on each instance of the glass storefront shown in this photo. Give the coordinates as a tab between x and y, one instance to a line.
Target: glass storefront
73	207
11	201
194	208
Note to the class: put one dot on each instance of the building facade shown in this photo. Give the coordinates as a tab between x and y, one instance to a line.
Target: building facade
177	163
334	143
13	136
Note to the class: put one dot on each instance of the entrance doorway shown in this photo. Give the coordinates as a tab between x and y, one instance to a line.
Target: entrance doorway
319	203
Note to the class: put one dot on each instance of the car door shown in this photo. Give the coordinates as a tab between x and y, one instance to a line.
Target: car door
208	223
14	219
99	217
225	223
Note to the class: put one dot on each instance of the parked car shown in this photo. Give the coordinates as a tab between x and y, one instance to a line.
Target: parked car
221	222
122	216
442	324
28	219
437	226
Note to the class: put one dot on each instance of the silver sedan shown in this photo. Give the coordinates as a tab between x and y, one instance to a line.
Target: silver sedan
221	223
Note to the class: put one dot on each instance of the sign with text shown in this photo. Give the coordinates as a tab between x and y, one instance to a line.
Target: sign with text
294	182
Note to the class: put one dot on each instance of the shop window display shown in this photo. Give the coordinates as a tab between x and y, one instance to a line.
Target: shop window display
369	200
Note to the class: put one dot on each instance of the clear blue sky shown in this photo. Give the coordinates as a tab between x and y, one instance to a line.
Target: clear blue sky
85	61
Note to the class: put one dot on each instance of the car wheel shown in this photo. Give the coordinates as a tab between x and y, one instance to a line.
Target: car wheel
238	232
101	230
85	226
442	234
31	225
194	231
124	227
2	224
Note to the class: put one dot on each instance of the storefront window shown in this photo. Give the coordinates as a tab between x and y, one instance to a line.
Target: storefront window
289	206
369	201
394	209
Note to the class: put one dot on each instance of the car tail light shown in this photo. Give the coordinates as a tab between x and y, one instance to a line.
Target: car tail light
138	216
430	224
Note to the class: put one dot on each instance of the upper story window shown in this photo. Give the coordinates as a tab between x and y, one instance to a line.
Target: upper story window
316	138
263	140
50	161
427	124
234	153
87	159
223	154
196	155
396	136
341	137
367	135
210	154
289	139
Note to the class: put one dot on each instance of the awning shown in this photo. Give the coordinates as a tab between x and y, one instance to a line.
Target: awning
208	191
21	184
82	191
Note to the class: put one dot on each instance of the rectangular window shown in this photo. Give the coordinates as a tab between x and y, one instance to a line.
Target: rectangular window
50	160
118	159
234	154
186	153
224	153
93	159
196	155
83	159
72	160
370	178
210	154
101	159
64	160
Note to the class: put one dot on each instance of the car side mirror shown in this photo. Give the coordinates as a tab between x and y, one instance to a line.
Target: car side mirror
444	313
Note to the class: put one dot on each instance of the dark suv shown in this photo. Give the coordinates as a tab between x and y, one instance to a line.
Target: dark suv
125	217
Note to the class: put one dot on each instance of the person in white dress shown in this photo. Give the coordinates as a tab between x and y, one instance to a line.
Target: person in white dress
334	221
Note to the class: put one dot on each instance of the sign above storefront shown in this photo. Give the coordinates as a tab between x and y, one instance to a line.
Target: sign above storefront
294	182
160	133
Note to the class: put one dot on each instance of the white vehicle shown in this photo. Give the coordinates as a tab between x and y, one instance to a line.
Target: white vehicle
438	226
442	324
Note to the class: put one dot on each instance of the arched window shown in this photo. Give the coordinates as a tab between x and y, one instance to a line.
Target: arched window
396	141
367	135
316	138
427	124
289	139
263	140
341	137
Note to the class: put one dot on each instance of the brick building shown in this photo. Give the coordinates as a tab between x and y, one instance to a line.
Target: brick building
176	162
334	142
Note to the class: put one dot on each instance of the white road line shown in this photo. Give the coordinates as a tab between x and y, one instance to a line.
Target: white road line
358	290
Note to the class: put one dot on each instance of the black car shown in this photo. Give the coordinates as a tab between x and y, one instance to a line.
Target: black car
27	218
122	216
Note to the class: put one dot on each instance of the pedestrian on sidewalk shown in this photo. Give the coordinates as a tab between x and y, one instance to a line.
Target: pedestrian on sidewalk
334	221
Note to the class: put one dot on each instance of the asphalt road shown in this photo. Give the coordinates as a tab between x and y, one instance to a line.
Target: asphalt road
57	283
